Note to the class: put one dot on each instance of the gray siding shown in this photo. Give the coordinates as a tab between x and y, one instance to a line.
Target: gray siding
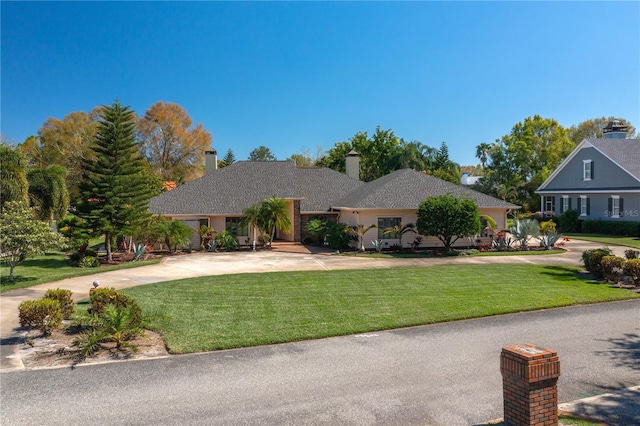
607	175
599	205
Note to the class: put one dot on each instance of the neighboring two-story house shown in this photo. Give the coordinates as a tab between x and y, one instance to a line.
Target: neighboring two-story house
600	179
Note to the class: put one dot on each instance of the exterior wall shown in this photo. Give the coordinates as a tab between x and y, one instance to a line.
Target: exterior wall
289	236
606	174
370	217
599	205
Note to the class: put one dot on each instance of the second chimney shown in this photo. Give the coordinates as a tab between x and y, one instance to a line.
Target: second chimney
353	164
210	161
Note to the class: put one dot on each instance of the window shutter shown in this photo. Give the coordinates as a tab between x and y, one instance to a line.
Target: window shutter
569	203
579	205
561	205
588	206
621	207
610	205
592	175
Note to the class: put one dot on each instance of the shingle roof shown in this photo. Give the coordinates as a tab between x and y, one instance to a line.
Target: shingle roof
625	152
230	190
407	188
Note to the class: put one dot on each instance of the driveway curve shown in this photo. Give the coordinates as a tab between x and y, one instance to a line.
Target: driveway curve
207	264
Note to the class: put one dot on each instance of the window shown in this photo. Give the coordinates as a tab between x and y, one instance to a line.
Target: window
587	170
385	223
583	205
614	206
566	204
549	205
235	226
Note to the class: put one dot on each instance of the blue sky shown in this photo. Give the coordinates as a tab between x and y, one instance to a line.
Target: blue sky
295	76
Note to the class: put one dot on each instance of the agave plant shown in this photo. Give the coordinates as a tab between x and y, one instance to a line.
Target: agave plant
139	250
523	230
549	240
377	244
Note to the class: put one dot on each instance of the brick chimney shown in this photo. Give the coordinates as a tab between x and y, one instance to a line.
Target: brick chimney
210	161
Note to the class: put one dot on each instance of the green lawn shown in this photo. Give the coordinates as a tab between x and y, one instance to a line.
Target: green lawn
51	267
220	312
607	239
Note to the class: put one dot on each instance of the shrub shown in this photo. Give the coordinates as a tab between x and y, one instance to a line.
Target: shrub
626	229
548	227
612	268
631	269
42	314
569	221
88	262
316	230
227	241
631	254
592	259
64	298
337	236
101	297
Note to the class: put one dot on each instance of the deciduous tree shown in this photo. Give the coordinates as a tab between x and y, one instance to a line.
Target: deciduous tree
23	236
262	153
171	143
592	128
114	194
66	143
525	157
448	218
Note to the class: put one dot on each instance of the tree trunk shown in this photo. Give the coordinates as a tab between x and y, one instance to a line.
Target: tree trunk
107	246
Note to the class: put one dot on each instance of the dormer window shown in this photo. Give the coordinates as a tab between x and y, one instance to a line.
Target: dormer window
587	170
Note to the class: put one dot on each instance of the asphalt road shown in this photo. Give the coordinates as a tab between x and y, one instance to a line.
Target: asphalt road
445	374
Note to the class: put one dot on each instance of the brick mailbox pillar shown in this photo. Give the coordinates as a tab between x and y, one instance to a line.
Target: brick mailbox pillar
529	385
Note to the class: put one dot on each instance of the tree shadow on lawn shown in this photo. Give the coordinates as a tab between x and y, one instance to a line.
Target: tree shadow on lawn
564	273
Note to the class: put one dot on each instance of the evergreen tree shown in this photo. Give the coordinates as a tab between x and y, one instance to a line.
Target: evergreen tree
114	195
228	159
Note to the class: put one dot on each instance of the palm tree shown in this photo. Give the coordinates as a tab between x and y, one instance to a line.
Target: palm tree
481	153
254	219
48	192
359	231
399	230
276	215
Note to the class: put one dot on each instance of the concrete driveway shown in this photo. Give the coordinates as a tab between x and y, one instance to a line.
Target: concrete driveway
205	264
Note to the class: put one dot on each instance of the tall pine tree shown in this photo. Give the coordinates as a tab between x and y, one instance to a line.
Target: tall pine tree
114	196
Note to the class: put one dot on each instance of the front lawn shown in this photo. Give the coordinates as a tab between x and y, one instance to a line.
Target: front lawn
607	239
219	312
52	267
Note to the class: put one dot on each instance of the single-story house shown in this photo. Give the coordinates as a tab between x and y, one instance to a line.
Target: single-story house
600	179
219	198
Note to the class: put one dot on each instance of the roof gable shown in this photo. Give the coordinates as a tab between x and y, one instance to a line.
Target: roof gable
407	188
624	153
230	190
